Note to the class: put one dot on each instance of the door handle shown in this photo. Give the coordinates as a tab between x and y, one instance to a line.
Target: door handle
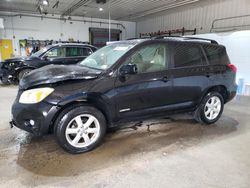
165	79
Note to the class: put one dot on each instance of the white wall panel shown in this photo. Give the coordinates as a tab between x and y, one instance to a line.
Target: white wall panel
47	29
199	15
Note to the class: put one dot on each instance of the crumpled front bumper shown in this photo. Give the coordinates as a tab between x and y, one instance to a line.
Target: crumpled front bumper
1	73
33	118
6	76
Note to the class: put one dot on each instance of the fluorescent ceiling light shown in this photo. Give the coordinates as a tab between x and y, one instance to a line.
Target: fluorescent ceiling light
45	2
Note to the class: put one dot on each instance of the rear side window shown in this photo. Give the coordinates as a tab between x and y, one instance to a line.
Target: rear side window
188	55
216	55
78	51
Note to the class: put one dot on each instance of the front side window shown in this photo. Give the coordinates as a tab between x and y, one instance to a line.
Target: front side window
105	57
41	52
188	55
151	58
56	52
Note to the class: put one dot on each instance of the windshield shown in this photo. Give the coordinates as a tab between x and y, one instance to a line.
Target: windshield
105	57
40	52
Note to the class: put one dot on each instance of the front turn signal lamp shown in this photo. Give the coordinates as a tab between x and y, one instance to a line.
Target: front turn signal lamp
34	96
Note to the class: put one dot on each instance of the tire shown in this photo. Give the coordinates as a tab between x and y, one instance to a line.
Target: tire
5	81
22	73
210	109
75	124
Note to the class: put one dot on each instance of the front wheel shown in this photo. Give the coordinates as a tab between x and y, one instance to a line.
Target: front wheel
5	81
210	109
80	129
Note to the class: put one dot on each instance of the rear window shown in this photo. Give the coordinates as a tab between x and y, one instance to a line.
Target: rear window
86	51
216	55
188	55
93	49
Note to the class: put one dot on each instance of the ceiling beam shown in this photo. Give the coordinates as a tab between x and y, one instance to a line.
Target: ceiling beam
157	10
75	7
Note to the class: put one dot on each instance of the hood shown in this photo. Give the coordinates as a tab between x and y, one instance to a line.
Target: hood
19	59
12	62
56	73
16	59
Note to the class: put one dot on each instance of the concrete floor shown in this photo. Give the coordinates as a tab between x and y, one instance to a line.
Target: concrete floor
174	152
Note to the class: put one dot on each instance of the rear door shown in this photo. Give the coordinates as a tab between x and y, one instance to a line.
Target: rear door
189	71
218	60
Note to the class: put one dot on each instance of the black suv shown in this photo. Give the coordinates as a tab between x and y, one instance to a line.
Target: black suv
125	81
12	70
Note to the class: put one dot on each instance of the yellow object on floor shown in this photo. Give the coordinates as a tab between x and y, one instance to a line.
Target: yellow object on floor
6	49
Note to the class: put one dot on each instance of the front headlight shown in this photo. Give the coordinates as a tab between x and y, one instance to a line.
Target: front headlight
33	96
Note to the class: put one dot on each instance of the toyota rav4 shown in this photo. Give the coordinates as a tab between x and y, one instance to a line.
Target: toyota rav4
125	81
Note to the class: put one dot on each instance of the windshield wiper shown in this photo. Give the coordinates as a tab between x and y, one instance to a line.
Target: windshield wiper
91	67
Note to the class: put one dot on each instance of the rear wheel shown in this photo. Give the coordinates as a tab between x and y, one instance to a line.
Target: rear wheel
80	129
22	73
210	109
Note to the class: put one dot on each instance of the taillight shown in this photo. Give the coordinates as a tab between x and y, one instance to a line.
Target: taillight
232	67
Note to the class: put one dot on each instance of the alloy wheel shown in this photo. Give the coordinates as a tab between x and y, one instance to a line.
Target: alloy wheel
212	108
82	131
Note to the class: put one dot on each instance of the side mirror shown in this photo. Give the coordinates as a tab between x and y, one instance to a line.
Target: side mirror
128	69
45	57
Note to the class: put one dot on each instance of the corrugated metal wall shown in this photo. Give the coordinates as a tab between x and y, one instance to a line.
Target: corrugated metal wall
199	15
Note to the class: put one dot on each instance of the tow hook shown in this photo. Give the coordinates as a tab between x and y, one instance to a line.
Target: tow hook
11	124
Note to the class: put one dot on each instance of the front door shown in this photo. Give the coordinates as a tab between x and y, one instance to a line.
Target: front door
149	90
55	56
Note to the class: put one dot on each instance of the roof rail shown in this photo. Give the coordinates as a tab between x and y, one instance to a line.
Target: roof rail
139	38
209	40
165	36
187	38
